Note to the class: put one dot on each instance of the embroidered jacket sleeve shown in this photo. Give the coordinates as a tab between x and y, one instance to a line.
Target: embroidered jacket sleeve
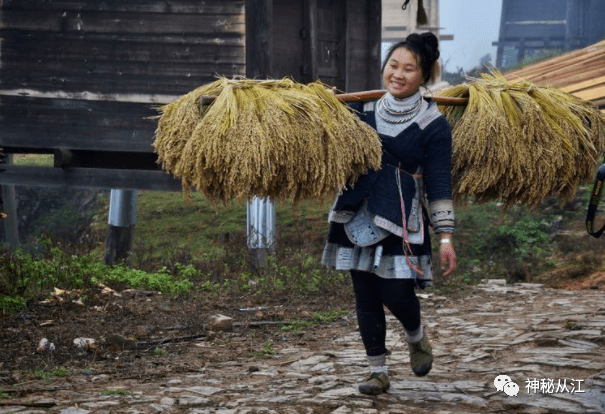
437	175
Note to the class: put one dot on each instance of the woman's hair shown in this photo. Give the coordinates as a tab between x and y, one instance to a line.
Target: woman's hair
425	47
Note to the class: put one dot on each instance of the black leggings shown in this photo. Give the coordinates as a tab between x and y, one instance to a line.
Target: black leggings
371	293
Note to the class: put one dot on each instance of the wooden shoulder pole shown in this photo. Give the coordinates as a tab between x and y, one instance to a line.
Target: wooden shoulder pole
367	96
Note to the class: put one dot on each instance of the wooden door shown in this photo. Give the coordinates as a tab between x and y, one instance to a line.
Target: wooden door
330	41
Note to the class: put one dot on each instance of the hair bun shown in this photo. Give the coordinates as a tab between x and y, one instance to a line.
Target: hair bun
431	44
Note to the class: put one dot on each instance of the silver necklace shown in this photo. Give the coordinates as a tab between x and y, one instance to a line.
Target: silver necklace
405	110
394	116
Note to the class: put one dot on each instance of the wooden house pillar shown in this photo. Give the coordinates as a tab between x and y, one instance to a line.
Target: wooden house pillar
259	39
374	44
259	65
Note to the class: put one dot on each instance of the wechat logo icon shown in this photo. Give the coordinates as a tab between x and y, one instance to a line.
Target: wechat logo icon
506	384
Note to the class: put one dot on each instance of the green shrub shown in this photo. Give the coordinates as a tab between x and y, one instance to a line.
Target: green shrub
12	304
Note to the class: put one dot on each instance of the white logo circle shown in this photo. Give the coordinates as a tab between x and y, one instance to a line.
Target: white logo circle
511	389
501	381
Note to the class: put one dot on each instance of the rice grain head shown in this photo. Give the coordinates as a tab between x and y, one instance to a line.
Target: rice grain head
271	138
521	143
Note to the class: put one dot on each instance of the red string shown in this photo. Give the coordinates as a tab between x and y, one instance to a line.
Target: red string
406	242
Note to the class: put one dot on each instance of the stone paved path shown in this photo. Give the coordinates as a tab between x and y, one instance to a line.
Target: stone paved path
551	343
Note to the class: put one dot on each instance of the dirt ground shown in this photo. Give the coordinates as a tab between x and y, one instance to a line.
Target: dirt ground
135	325
142	338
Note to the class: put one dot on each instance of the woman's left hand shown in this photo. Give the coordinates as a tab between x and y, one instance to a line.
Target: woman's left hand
448	255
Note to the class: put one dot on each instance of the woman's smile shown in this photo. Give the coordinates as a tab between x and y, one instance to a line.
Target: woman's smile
402	76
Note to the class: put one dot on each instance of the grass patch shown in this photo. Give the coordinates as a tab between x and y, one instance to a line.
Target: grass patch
24	276
47	375
34	160
12	304
157	351
518	244
296	326
329	316
119	391
168	227
266	351
316	318
183	250
574	326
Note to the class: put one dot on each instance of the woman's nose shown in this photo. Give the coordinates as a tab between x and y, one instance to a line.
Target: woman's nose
398	74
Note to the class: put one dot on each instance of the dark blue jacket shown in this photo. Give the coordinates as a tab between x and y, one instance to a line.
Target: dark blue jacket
425	145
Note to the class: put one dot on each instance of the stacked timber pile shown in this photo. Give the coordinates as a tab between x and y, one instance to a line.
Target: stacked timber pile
581	73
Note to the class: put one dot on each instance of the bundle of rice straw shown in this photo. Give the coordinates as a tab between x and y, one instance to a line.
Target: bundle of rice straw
521	143
270	138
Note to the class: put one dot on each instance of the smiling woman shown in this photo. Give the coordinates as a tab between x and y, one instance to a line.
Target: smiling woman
379	227
402	77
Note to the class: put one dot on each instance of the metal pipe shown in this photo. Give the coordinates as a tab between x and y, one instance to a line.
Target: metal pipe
260	223
122	207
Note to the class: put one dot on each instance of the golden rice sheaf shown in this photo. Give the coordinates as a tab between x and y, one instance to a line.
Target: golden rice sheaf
252	138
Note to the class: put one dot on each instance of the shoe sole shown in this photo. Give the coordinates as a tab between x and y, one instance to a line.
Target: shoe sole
422	370
373	390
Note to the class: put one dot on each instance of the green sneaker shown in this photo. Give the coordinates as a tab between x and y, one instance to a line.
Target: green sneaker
376	384
421	356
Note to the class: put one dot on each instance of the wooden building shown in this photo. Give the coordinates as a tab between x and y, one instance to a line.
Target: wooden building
81	79
399	22
531	29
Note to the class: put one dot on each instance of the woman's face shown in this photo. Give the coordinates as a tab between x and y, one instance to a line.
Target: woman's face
402	75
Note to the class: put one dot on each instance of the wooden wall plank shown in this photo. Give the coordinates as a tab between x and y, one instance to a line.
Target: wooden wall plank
140	6
150	78
119	22
287	41
42	139
76	124
107	51
89	178
143	46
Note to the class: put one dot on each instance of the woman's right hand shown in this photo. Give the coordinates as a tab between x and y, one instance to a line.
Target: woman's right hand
447	253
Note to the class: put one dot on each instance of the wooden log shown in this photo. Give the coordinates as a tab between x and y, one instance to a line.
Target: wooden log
63	157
